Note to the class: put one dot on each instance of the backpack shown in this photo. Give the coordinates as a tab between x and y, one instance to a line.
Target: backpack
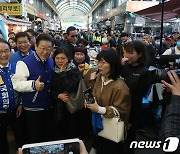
173	52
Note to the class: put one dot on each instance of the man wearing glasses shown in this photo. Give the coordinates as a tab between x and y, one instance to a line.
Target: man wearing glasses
33	79
10	110
72	36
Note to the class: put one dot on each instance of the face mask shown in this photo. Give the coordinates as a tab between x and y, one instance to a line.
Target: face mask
178	44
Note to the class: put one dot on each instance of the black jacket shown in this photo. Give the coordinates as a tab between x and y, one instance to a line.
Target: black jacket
138	79
69	47
66	81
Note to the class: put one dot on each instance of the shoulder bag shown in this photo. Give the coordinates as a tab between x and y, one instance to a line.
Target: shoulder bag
76	100
114	128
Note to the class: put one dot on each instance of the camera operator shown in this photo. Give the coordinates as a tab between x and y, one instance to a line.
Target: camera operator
169	65
170	125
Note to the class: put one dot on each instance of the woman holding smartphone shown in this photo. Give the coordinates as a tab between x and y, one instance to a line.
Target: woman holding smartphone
109	90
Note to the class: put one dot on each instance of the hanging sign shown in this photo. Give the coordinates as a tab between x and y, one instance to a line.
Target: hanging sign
11	8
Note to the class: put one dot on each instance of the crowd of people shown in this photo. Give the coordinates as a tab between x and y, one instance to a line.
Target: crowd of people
39	72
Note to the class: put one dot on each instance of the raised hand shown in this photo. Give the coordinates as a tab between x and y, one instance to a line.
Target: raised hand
38	84
175	86
64	66
81	67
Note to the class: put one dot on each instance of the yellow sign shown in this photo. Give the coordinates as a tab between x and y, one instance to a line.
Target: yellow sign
1	80
11	8
31	10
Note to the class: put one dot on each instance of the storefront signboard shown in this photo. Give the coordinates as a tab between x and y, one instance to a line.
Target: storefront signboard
14	9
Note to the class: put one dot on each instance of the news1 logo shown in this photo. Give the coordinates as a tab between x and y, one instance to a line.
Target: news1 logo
169	145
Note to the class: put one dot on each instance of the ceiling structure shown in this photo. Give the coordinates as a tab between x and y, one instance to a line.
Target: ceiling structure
82	5
171	10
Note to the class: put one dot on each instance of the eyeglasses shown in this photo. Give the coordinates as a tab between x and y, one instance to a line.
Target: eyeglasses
6	51
46	49
74	35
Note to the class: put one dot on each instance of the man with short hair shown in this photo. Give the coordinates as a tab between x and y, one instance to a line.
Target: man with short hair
32	36
165	45
150	50
24	47
111	43
10	109
174	50
72	36
124	39
33	79
70	43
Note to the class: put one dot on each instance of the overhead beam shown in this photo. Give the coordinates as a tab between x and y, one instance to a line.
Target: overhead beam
51	4
98	2
69	8
73	6
67	4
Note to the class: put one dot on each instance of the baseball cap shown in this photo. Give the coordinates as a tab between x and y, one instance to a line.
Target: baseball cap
168	39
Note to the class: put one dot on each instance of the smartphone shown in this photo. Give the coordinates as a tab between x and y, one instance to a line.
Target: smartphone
89	95
69	146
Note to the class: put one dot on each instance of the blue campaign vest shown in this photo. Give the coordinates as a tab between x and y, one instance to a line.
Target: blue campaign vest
18	56
37	68
7	100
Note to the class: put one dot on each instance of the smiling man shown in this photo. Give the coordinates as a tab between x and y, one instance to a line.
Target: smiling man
33	79
10	109
24	47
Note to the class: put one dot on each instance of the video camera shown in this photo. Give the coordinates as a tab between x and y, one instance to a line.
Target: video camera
166	61
164	64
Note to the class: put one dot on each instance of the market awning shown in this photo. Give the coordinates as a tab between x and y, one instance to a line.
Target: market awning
171	10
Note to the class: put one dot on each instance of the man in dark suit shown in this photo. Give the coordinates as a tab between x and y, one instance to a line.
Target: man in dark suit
72	36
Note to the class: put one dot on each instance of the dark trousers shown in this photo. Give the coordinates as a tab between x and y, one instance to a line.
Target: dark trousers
131	136
105	146
15	123
78	125
39	125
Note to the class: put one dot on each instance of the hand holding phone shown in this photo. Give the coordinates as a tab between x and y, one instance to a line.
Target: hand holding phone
61	146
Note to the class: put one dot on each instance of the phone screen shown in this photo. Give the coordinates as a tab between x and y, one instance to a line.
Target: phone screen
62	148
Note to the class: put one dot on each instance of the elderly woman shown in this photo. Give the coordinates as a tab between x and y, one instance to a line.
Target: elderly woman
66	78
80	54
